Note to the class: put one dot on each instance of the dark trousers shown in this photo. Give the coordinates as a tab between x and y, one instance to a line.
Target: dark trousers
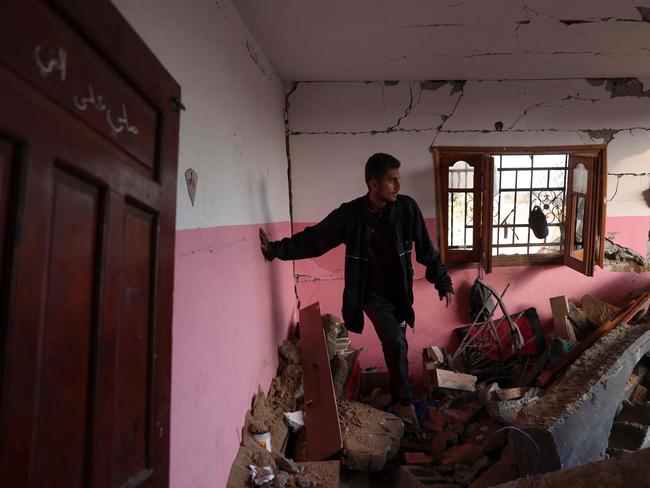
391	330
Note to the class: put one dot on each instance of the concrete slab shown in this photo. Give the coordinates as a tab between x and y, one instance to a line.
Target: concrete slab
570	425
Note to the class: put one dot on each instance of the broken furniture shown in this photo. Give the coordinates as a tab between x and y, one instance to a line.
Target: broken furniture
487	339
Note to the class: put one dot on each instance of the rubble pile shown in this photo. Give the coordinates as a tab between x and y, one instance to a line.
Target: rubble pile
508	403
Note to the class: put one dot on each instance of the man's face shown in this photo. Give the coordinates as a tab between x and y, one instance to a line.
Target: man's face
388	187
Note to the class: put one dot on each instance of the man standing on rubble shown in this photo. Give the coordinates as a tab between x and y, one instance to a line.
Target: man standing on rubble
379	230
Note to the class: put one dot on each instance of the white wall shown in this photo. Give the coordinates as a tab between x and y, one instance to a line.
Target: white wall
336	126
232	133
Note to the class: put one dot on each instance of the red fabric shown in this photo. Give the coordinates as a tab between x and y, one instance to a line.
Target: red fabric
528	333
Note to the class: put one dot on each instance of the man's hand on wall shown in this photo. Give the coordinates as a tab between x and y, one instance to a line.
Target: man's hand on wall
264	244
448	297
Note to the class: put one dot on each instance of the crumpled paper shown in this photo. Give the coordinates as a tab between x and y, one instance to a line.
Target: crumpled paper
261	476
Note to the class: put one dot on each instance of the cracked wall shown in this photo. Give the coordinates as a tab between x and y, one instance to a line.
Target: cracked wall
334	127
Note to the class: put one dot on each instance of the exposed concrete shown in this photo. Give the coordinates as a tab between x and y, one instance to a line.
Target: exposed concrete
624	471
571	423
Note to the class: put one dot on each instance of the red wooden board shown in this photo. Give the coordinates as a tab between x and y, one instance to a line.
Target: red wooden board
321	413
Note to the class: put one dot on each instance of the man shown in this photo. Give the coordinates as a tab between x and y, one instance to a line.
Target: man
379	231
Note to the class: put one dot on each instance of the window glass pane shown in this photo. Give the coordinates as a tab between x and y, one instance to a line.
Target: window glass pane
557	178
459	223
523	207
520	235
461	175
545	160
580	177
523	179
578	227
516	161
508	179
540	178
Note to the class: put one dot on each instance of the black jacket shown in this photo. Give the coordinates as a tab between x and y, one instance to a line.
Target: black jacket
349	225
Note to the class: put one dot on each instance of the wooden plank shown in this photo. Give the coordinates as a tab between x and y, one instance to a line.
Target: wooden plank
455	381
321	412
563	327
434	354
632	309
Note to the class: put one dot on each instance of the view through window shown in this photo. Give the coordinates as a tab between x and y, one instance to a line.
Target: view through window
521	182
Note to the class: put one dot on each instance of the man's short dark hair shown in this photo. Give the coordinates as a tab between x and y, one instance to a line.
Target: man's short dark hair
378	166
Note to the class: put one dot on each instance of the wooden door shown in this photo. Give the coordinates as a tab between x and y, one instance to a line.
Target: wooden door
580	221
88	149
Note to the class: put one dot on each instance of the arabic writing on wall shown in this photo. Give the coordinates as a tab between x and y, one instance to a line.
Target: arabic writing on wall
58	63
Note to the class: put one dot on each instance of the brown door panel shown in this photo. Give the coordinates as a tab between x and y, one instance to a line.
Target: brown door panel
132	430
65	386
87	217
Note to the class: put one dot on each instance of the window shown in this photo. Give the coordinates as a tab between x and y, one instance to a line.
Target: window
514	206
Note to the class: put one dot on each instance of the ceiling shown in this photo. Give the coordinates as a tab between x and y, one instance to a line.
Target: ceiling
346	40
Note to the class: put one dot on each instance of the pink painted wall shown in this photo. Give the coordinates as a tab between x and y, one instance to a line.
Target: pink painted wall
321	280
231	310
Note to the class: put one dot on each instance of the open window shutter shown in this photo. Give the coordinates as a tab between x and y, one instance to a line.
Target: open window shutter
582	206
441	221
601	207
487	187
459	202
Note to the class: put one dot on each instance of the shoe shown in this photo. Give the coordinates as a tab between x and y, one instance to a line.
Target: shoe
407	414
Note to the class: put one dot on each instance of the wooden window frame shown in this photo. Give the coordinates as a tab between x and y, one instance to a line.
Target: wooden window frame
479	158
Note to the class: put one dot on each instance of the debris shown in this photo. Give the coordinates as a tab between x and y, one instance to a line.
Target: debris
370	436
294	420
505	411
462	453
439	444
629	436
442	378
287	465
504	470
598	312
620	254
340	374
434	355
417	458
261	476
372	378
258	427
580	324
435	418
639	394
628	314
465	414
511	393
563	326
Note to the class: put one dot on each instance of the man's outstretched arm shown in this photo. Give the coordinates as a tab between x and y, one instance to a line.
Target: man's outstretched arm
312	242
